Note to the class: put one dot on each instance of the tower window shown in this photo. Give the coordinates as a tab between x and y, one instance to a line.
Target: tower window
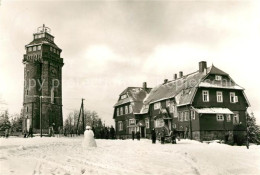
39	47
29	49
27	92
51	49
27	109
34	48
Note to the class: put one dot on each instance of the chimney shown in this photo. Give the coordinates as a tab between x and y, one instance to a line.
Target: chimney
180	74
202	66
175	76
165	81
144	85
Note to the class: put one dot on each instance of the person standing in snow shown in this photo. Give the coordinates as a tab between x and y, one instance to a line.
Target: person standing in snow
153	136
30	132
138	135
89	140
163	136
133	135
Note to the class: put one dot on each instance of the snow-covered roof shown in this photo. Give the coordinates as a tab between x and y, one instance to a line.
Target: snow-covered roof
221	86
213	111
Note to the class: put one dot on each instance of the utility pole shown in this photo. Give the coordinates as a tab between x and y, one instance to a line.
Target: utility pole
83	122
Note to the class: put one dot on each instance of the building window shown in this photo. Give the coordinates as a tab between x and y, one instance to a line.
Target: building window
27	92
236	118
186	115
121	111
158	123
123	96
39	47
220	117
29	49
34	48
126	109
233	97
219	96
51	49
131	121
157	105
174	125
130	109
117	112
218	77
181	116
147	123
205	96
168	103
120	125
228	117
192	113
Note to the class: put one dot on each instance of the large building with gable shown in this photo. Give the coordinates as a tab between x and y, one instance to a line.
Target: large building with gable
202	105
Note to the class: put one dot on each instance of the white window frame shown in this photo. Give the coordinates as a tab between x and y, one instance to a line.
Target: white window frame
131	122
186	116
126	109
120	125
130	109
147	124
218	77
206	94
228	118
39	47
192	113
219	95
117	112
233	97
121	111
123	96
157	105
236	115
220	117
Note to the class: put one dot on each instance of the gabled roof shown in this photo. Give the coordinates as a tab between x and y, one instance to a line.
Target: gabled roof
135	96
217	71
185	88
184	85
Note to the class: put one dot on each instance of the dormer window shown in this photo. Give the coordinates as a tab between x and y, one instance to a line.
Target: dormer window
218	77
123	96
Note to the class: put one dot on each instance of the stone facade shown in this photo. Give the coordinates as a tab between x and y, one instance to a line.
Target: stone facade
42	83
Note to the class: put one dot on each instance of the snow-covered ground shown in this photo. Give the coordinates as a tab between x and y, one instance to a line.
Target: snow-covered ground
66	156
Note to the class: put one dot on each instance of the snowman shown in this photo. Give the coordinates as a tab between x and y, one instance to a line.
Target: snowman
89	140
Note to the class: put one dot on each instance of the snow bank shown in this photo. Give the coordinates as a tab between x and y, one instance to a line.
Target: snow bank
66	156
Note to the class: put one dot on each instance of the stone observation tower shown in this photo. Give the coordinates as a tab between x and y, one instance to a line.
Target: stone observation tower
42	101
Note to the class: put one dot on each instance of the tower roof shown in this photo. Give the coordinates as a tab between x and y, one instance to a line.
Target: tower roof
43	36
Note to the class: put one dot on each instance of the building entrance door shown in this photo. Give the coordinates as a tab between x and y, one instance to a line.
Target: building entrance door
142	132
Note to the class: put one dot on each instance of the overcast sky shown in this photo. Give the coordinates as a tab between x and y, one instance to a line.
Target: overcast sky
110	45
